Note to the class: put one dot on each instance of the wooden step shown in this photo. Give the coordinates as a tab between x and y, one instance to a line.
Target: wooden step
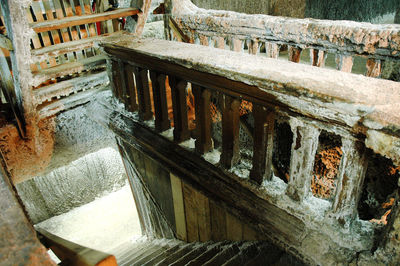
90	63
57	24
67	87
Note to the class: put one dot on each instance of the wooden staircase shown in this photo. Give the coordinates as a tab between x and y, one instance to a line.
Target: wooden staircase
175	252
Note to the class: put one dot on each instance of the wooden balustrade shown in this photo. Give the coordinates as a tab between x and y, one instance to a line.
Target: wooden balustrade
345	40
310	107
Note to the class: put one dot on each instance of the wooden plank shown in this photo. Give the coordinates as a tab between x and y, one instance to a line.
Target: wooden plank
263	142
130	88
234	228
192	227
179	208
75	254
95	62
218	222
204	141
179	105
116	80
230	132
162	122
143	93
44	26
203	217
294	54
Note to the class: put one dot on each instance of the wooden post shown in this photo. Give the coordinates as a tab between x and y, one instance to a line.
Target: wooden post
344	63
143	93
374	67
294	54
202	97
318	57
160	101
130	88
230	131
253	47
179	105
304	147
116	80
272	49
236	45
351	176
263	142
121	77
203	40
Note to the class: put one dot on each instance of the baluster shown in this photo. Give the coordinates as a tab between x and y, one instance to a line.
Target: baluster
272	49
253	47
230	131
304	147
374	67
130	88
121	77
203	40
116	80
162	122
344	62
219	42
202	96
143	93
179	105
318	57
237	45
351	176
294	54
263	142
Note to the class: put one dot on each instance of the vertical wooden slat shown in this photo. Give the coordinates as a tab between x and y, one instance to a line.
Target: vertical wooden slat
263	142
162	122
374	67
253	47
219	42
50	16
192	227
179	209
203	217
351	176
230	132
318	57
73	30
116	80
36	44
45	35
236	45
203	40
143	93
123	88
234	228
202	97
344	62
218	222
130	88
304	148
179	105
294	54
272	49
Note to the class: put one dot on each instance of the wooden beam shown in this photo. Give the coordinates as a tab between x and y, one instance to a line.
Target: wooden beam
83	19
73	253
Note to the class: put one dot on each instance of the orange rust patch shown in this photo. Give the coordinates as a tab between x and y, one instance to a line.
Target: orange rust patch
27	158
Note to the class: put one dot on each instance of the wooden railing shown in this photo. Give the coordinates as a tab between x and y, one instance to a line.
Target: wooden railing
74	254
347	41
310	100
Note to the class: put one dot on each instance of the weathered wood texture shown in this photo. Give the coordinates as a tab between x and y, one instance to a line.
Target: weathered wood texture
50	25
72	253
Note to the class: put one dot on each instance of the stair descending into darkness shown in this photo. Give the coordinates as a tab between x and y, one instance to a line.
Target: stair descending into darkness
175	252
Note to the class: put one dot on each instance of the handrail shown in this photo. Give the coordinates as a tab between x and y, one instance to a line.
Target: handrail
346	39
72	253
362	111
57	24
